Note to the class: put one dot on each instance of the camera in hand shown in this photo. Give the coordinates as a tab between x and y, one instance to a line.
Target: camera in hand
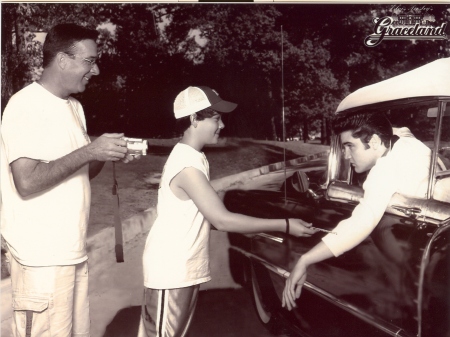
136	146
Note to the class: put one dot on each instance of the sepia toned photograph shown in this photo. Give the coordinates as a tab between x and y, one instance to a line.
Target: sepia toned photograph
225	169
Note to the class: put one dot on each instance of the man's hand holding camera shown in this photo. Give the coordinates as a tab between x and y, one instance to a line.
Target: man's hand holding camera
115	147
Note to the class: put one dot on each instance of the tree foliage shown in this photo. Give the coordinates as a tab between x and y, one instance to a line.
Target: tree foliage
298	59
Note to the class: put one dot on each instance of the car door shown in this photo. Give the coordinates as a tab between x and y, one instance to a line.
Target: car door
377	281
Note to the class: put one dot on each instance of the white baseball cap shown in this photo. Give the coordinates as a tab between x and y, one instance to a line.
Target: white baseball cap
193	99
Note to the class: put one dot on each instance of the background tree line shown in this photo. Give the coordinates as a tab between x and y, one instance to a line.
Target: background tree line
300	58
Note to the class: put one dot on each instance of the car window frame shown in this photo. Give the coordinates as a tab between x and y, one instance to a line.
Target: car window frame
335	162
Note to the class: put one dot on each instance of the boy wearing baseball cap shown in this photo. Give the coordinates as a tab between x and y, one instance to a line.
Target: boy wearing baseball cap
176	254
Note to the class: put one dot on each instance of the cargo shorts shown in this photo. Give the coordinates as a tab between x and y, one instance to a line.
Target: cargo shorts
49	301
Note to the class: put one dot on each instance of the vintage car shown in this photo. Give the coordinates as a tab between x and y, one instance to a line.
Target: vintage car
397	281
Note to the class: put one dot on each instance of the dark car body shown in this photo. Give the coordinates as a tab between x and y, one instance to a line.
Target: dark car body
397	281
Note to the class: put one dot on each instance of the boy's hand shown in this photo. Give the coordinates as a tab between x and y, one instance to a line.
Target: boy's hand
299	227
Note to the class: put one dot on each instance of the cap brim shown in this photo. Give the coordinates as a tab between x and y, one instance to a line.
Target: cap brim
224	106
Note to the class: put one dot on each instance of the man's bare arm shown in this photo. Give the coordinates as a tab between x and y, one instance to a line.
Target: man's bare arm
32	176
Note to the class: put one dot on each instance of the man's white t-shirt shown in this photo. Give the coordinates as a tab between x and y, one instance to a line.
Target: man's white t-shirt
405	170
176	252
49	227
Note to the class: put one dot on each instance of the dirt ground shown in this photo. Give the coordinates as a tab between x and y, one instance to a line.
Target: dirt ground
138	180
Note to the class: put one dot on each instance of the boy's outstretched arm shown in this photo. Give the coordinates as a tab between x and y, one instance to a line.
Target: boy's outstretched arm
196	186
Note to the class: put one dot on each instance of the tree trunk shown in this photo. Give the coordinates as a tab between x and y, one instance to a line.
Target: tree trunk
7	51
274	129
323	130
305	130
328	131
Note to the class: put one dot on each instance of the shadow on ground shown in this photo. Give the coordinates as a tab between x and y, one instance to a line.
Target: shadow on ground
219	313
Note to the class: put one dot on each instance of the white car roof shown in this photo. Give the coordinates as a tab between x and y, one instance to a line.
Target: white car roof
432	79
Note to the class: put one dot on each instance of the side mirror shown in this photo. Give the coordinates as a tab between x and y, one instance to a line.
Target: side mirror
299	182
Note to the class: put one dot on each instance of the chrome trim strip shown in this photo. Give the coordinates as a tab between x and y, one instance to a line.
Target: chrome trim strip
333	163
383	326
271	237
432	211
437	137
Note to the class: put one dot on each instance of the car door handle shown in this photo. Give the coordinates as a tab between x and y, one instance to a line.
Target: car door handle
409	211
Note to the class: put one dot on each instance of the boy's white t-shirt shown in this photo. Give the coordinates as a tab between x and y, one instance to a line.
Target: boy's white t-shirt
49	227
176	252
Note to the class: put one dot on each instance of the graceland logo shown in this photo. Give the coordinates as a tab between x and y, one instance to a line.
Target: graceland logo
385	30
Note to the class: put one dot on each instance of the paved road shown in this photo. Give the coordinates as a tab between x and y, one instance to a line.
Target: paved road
219	313
224	309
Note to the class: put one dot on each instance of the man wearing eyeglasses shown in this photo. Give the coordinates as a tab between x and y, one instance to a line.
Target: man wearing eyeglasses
47	162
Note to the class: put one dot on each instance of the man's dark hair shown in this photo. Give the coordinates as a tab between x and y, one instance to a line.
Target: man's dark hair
183	123
364	126
63	37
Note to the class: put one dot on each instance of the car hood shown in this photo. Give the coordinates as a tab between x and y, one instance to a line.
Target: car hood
431	79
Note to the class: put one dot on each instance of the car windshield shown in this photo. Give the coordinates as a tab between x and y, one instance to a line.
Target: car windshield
420	119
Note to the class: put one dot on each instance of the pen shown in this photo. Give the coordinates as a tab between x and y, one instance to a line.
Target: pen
324	230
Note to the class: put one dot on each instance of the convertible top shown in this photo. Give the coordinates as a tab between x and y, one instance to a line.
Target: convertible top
432	79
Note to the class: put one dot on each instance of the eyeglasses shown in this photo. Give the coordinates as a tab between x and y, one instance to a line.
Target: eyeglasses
92	62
